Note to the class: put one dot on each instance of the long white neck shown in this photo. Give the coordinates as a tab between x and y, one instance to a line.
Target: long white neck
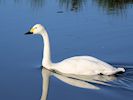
46	53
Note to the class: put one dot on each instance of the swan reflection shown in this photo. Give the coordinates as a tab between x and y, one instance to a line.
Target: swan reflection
88	82
45	76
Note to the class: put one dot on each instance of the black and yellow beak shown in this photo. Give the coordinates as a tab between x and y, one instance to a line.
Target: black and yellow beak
28	33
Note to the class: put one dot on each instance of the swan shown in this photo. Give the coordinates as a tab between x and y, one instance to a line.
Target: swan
78	65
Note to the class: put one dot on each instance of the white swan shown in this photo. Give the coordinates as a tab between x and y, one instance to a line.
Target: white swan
79	65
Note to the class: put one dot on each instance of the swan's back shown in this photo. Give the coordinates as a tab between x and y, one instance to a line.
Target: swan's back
84	65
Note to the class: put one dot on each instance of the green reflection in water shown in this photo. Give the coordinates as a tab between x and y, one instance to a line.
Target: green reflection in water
114	6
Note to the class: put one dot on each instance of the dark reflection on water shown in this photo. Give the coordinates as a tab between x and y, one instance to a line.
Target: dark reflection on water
37	3
114	6
73	5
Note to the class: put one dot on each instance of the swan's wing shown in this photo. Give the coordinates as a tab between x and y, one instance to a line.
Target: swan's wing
89	59
83	65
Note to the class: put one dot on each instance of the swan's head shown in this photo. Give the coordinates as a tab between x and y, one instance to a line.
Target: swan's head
36	29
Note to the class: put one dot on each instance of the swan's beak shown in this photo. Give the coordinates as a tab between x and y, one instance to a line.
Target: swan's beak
28	33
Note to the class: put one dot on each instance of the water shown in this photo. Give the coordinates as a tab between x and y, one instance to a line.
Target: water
98	28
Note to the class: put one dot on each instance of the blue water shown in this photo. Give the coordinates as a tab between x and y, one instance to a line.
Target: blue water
98	28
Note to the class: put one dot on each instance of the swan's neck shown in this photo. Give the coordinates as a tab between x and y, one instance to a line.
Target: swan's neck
46	53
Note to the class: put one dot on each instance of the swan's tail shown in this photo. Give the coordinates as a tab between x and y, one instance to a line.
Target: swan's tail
120	70
115	71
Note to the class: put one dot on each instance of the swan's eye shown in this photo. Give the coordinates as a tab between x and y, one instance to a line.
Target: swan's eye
35	27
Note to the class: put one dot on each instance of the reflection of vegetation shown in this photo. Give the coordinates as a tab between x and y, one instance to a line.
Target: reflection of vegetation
34	3
111	6
73	5
114	6
37	3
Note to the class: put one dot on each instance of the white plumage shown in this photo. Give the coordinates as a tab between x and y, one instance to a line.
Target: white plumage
85	65
78	65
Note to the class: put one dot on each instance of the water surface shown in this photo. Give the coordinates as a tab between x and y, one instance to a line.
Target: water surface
99	28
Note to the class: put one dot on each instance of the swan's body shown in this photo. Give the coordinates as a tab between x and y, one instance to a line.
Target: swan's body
79	65
85	65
